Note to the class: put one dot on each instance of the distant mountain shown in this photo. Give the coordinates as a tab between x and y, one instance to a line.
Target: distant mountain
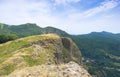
100	50
101	53
28	30
103	36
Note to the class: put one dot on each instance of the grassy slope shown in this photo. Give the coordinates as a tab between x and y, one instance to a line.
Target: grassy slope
36	50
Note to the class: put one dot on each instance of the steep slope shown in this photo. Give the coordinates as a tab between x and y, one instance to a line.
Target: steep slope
37	50
101	53
29	29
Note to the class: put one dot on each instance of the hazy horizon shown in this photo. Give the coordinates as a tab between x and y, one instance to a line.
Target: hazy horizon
72	16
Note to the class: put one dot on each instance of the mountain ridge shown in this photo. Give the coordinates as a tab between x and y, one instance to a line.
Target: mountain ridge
100	51
29	29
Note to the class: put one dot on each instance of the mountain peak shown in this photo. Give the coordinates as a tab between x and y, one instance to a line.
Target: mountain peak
103	32
29	24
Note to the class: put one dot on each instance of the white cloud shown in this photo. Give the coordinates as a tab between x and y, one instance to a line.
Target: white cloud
105	6
23	11
43	13
58	2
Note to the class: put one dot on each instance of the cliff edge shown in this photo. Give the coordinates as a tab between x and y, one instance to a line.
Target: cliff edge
46	55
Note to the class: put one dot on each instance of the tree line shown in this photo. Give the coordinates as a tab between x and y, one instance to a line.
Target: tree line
7	37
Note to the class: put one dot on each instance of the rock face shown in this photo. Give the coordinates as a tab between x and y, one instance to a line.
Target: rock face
48	50
70	69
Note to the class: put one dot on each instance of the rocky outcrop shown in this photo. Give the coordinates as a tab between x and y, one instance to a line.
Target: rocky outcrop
48	50
70	69
71	51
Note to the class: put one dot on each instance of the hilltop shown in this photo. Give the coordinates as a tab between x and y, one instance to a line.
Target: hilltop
48	50
29	29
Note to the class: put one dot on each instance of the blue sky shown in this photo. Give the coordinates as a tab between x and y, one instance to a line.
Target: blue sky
72	16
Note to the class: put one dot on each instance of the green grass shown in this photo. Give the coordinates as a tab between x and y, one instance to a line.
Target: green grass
30	61
8	49
39	58
7	69
35	61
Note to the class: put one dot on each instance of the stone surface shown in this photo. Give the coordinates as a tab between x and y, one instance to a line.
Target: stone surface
70	69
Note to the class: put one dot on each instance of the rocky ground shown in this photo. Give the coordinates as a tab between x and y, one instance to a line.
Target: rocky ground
70	69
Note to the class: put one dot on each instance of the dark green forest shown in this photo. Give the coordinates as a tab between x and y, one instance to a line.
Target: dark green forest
7	37
100	50
100	53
